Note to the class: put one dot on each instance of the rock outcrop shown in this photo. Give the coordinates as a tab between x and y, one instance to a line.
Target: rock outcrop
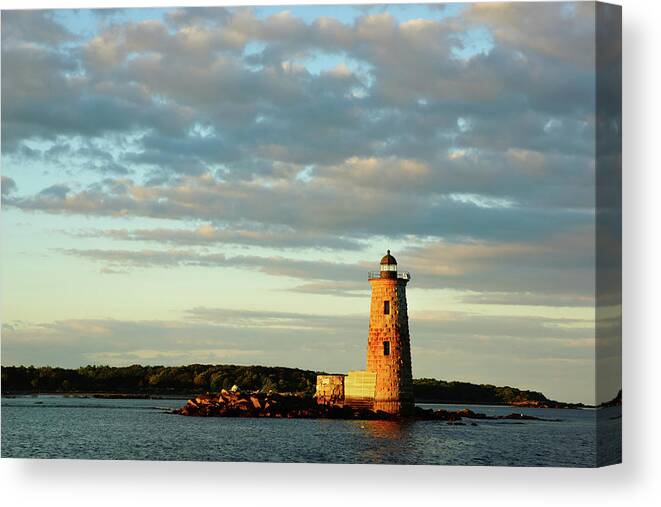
238	404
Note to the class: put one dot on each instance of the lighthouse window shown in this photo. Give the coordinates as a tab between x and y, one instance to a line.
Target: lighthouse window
386	308
386	348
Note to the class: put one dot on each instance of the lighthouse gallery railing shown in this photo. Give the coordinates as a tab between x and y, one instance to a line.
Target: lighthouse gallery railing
404	275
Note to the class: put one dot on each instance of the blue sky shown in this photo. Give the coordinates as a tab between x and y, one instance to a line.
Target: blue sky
212	185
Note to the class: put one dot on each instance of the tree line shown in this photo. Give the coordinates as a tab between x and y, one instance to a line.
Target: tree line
195	378
200	378
441	391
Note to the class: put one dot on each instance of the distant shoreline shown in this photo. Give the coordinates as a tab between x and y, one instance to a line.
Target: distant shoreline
175	382
102	395
118	395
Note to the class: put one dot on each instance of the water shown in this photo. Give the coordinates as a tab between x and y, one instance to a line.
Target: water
61	427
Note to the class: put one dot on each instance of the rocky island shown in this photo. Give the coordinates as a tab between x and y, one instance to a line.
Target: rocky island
234	403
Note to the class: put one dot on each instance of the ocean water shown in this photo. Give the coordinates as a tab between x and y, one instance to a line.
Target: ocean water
89	428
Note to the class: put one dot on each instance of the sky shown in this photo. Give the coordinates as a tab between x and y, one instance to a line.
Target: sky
212	185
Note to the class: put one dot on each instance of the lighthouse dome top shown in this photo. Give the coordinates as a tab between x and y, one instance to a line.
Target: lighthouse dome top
388	270
388	260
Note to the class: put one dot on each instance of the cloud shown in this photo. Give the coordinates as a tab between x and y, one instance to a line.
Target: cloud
7	186
556	266
187	16
554	271
555	32
33	26
161	77
173	357
536	331
529	299
276	266
275	320
55	192
317	207
209	235
341	288
219	115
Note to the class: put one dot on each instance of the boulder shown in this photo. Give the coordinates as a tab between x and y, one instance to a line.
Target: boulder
256	402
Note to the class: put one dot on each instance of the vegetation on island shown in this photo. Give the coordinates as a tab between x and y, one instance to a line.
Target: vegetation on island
201	378
615	402
137	379
441	391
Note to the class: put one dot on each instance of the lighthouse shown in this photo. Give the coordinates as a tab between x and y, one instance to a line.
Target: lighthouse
389	343
387	384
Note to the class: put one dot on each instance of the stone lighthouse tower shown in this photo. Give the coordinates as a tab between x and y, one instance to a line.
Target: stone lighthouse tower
389	344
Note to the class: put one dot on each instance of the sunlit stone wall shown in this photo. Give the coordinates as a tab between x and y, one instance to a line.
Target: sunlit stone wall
391	362
330	390
359	389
